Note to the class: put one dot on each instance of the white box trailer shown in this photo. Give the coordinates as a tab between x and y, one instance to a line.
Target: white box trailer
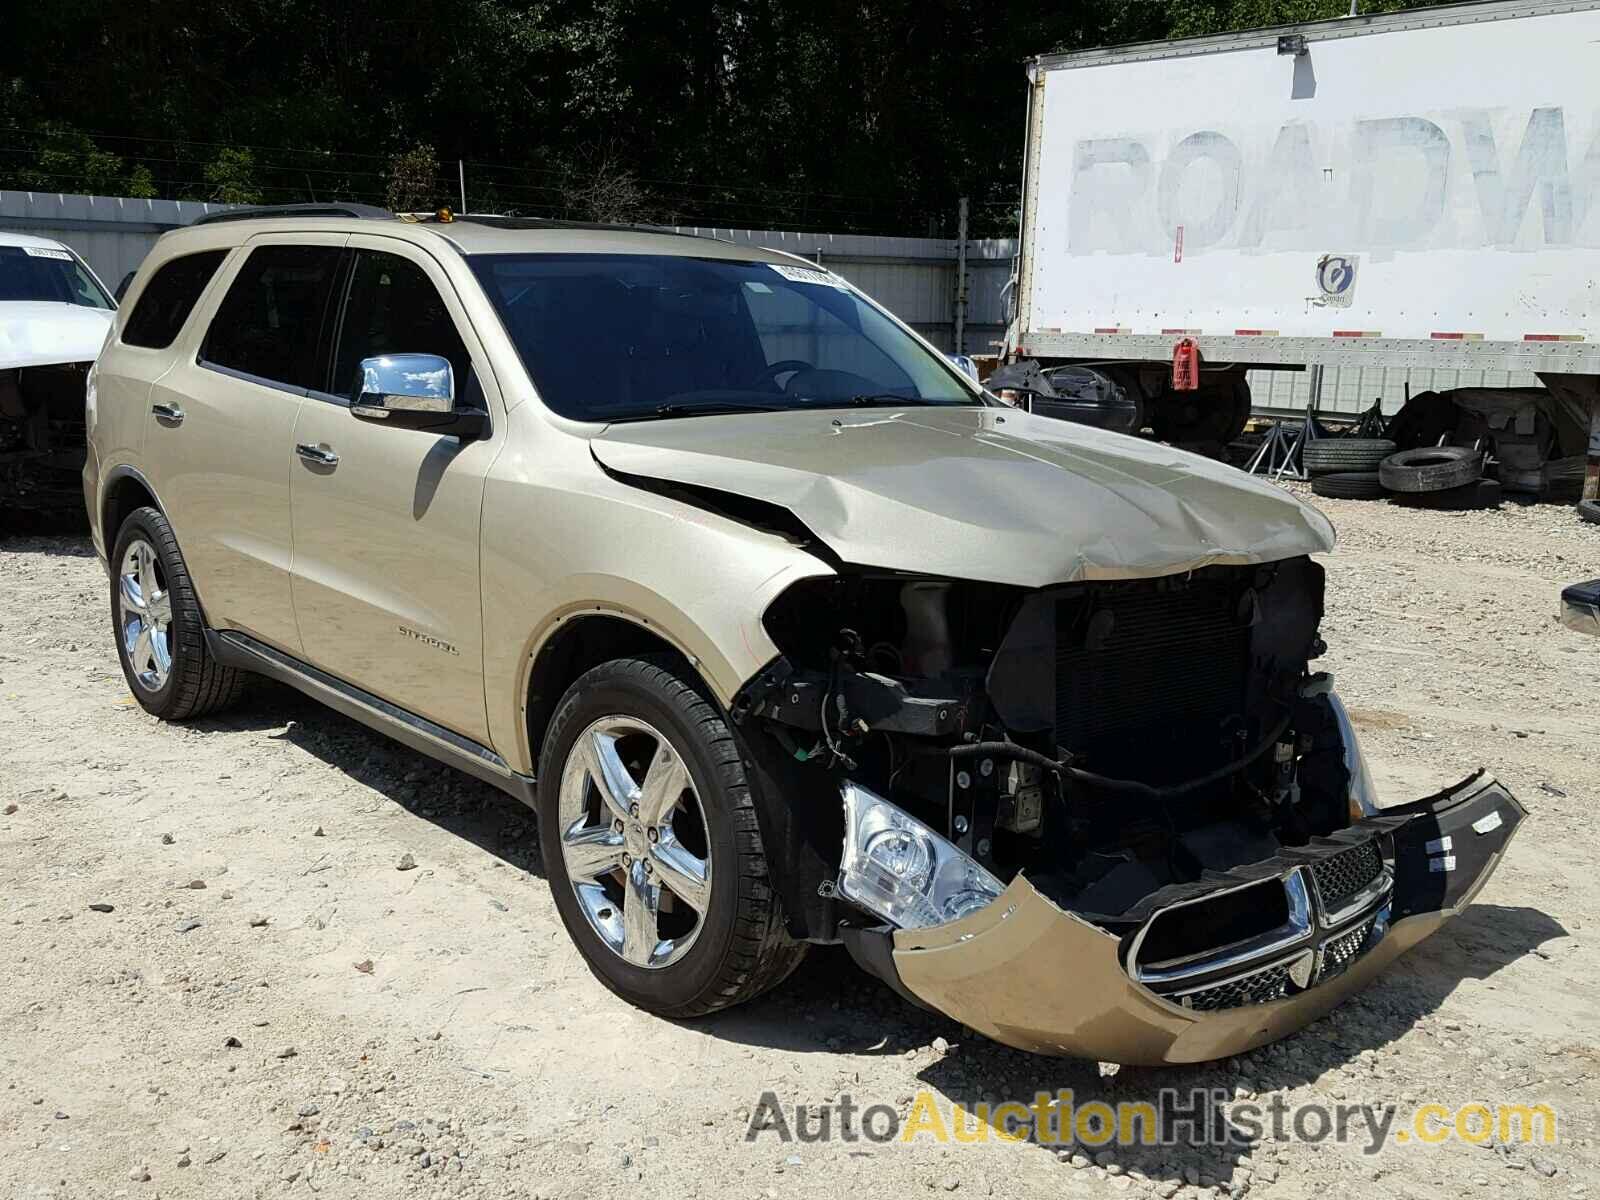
1415	189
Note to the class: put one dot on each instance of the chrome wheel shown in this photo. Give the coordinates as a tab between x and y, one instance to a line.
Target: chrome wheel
634	841
144	619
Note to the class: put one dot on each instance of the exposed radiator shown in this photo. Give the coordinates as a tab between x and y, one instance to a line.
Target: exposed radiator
1149	682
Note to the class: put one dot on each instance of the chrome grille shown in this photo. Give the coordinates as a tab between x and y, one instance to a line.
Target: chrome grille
1271	984
1342	875
1340	952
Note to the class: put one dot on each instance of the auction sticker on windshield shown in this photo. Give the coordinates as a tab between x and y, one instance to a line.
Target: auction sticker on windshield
809	275
46	252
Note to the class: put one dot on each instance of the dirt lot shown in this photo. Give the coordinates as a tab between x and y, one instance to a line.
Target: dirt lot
272	1007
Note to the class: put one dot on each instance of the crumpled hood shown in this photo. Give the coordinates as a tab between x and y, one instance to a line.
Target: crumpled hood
34	333
993	494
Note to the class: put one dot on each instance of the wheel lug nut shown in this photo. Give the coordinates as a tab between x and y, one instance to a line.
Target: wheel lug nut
648	869
633	810
616	826
652	835
627	860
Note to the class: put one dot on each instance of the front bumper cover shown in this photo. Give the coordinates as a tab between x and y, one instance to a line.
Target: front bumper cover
1032	975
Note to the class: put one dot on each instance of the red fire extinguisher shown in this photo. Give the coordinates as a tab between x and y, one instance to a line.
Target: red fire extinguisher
1186	366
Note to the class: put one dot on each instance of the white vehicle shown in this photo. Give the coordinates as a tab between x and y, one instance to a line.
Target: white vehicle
1408	190
54	314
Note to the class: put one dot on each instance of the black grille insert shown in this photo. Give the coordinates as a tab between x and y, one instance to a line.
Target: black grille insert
1260	988
1342	875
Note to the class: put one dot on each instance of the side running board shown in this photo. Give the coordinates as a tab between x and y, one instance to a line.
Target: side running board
240	650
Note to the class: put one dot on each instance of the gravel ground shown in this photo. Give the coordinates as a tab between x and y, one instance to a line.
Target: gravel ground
271	1006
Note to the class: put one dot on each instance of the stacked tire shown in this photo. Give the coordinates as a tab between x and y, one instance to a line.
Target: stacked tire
1448	477
1347	468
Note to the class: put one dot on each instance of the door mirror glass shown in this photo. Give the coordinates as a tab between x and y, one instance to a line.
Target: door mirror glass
415	383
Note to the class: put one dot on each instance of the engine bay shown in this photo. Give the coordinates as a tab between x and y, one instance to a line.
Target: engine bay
1110	738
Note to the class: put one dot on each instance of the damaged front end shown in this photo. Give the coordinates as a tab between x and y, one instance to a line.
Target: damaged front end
1121	820
42	441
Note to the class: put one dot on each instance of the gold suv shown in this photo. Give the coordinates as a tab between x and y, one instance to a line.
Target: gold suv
788	630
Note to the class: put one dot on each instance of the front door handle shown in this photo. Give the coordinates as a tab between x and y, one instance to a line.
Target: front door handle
317	455
167	414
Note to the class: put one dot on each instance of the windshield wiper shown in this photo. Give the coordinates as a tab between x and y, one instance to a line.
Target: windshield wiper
710	408
885	400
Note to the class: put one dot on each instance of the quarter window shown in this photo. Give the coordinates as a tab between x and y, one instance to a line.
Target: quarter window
270	323
393	308
169	298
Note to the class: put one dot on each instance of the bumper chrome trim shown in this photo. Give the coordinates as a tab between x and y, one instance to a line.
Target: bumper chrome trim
1313	944
1292	934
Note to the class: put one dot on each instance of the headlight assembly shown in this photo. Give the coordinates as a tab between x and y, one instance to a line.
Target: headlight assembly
1363	794
897	868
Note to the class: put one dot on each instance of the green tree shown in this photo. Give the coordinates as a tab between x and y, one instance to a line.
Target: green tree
230	177
871	115
413	180
69	161
141	184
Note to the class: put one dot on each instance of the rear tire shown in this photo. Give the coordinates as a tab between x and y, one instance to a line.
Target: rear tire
609	836
158	627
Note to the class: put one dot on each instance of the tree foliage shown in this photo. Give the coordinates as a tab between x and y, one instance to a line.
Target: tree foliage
831	114
413	180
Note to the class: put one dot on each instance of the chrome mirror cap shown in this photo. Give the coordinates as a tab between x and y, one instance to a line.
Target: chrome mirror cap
420	383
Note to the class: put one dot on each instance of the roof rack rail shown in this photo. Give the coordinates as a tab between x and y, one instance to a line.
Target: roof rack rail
265	211
495	221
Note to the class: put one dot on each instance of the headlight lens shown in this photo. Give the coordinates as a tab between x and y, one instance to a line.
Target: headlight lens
1363	794
897	868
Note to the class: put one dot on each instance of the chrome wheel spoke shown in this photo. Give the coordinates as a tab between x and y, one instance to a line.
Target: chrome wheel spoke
617	790
133	603
685	876
145	560
143	653
640	907
663	786
592	852
160	653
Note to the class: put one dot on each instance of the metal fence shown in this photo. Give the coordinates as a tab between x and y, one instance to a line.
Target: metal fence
916	278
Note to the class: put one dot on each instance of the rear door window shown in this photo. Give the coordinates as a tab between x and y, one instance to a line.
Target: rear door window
169	298
393	308
270	323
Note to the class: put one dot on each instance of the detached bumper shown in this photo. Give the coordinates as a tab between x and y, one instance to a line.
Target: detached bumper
1032	975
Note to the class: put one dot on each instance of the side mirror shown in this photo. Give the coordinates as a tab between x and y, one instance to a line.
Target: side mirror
414	391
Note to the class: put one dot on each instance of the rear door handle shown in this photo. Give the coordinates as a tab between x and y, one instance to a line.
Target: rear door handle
169	414
316	454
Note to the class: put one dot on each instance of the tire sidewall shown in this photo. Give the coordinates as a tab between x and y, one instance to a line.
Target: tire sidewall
149	526
605	692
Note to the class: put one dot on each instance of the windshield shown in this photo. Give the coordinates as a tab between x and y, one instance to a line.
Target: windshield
615	337
46	273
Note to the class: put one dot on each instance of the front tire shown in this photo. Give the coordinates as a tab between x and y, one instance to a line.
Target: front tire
158	627
651	846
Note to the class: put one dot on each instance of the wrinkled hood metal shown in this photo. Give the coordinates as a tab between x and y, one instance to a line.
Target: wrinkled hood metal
36	333
979	493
